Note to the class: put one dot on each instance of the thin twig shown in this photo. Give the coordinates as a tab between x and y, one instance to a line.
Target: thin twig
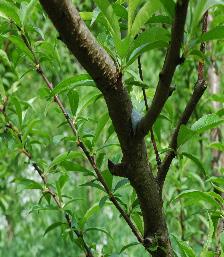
158	160
49	190
199	90
172	60
90	157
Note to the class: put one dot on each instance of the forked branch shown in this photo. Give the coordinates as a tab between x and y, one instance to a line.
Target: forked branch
172	60
190	108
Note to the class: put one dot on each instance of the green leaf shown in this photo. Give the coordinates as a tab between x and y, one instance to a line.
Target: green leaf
103	201
4	58
98	229
185	248
9	11
89	213
217	180
121	183
29	128
138	221
73	97
21	46
213	34
200	9
28	9
205	252
28	183
132	5
18	109
75	167
89	99
108	178
75	81
120	11
217	146
94	184
144	48
160	19
184	135
86	16
198	196
169	6
148	9
196	161
53	226
107	9
128	246
62	180
100	125
207	122
58	159
138	83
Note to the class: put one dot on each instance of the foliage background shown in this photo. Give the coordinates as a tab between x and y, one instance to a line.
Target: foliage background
22	218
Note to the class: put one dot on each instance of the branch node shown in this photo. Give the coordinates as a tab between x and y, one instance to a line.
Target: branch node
117	169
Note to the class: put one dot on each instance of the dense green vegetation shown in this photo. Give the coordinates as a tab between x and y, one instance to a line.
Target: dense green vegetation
52	201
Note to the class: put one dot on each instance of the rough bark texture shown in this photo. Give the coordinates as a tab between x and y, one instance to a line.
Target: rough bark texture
103	70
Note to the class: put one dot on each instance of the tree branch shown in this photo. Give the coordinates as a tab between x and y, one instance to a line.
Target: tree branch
172	60
48	189
189	109
75	34
80	144
158	160
96	61
198	92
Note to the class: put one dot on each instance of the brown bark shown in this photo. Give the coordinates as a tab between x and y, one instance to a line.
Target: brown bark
103	70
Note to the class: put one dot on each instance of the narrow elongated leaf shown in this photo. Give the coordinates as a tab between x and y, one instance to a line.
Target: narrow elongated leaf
128	246
196	161
214	34
185	248
184	135
198	196
132	5
98	229
86	16
28	10
53	226
148	9
21	46
101	124
169	6
18	109
9	11
78	80
107	9
121	183
28	183
4	58
89	213
207	122
144	48
218	146
205	252
94	184
217	180
201	7
120	11
73	97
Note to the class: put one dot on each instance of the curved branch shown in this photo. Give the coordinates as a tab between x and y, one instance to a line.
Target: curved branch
75	34
172	60
190	108
191	105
